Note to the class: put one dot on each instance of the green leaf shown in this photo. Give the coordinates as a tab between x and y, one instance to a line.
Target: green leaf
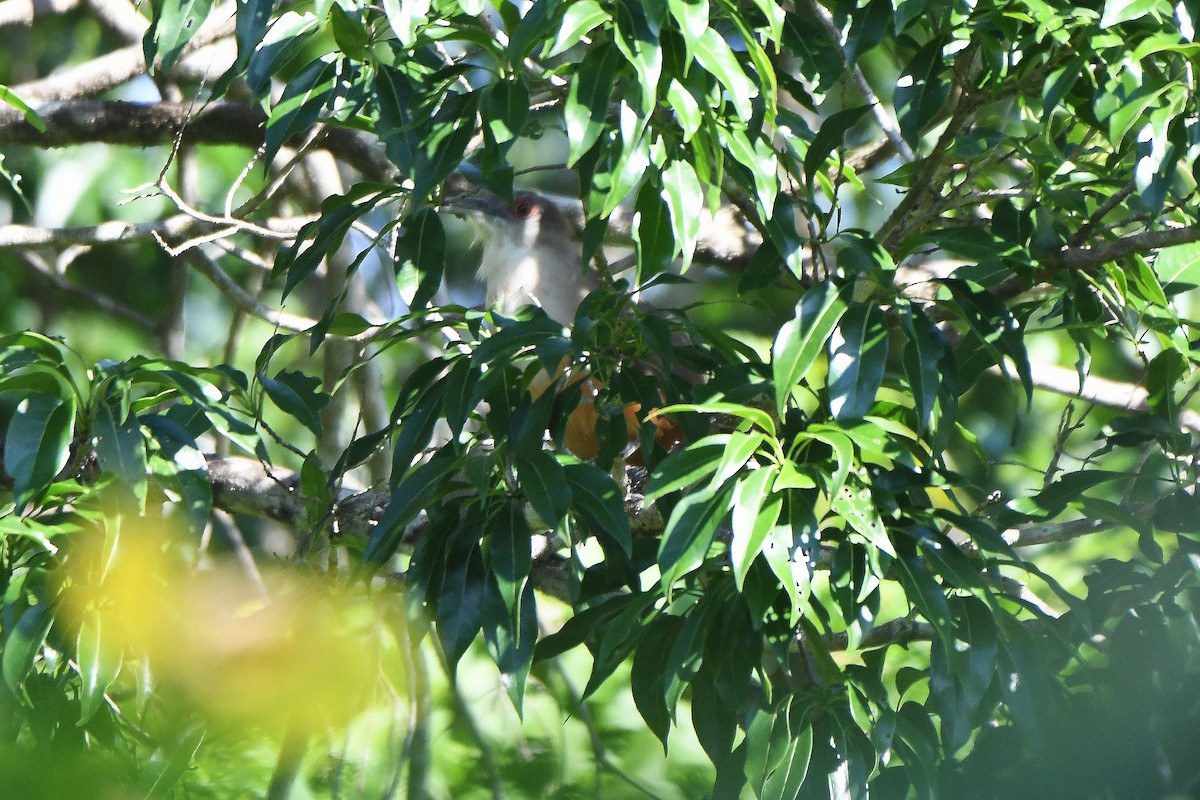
801	340
580	19
24	643
460	596
405	18
690	531
174	24
692	16
829	137
648	674
413	493
586	110
120	448
1178	268
778	750
511	639
350	34
638	42
685	108
421	248
868	27
996	327
760	159
303	99
38	444
858	350
755	512
545	484
921	91
652	236
715	56
1118	11
510	556
99	660
32	117
925	352
687	467
298	395
166	768
600	505
685	200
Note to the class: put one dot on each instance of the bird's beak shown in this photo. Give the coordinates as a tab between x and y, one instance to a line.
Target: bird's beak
479	206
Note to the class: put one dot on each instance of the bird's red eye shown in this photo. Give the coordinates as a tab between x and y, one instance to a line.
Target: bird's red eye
524	208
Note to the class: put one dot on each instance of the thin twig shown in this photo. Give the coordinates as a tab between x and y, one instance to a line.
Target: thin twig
878	110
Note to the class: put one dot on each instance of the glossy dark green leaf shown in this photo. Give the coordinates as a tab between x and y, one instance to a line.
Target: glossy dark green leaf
921	91
300	105
545	484
301	259
801	340
589	623
421	246
829	138
653	235
298	395
868	27
618	639
996	327
858	350
460	596
925	352
510	557
511	638
412	493
38	444
648	673
599	503
120	447
690	531
349	32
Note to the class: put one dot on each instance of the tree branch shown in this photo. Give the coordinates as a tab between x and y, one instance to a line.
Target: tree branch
1102	392
23	12
115	68
1082	258
878	110
149	124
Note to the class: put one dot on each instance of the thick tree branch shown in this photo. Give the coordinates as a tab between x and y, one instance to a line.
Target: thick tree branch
1082	258
115	68
151	124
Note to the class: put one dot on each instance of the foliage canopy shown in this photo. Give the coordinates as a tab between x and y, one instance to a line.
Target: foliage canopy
913	277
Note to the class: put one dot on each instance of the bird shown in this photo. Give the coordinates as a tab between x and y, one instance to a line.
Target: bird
532	256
